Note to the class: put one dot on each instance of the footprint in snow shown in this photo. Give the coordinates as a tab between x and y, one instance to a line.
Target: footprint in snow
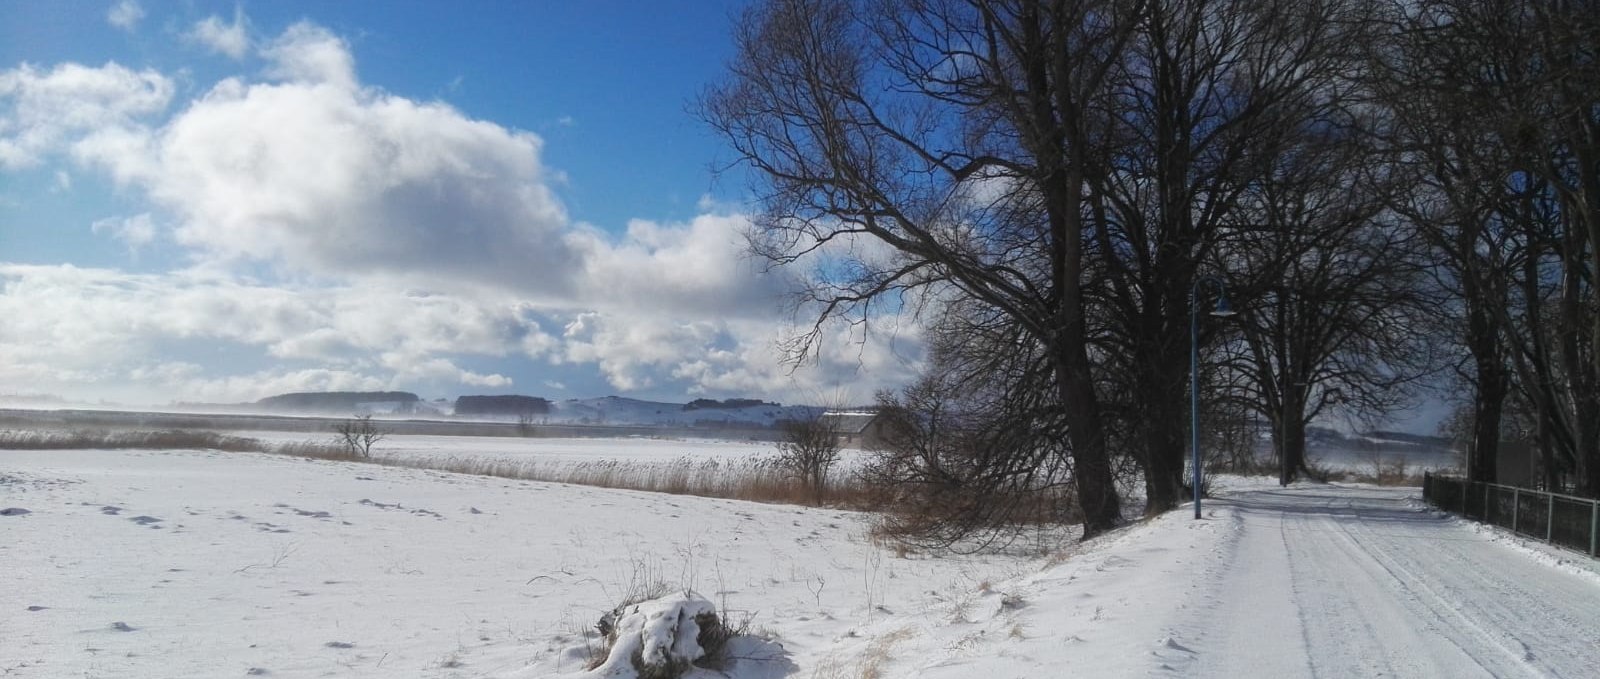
145	520
14	511
121	626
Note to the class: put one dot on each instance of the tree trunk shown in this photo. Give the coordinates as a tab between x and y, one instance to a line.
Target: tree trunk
1164	453
1164	431
1486	414
1493	383
1091	462
1294	444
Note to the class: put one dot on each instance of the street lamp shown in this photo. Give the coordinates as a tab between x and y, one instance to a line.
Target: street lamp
1222	310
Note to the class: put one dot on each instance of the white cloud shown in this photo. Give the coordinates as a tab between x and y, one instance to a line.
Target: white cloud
400	239
221	37
135	232
699	268
258	385
343	183
125	14
74	325
43	111
309	54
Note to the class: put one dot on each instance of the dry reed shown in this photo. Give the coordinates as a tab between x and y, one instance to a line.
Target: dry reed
756	479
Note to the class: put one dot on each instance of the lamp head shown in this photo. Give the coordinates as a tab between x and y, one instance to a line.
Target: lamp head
1223	309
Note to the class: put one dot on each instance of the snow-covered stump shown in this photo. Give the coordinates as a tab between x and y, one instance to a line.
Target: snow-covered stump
660	638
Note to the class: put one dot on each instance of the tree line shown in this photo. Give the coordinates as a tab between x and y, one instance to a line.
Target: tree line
1393	194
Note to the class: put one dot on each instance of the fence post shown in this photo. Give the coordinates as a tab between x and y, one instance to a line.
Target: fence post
1550	517
1486	489
1516	506
1594	527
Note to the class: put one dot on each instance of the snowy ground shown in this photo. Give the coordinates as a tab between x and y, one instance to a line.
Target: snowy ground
189	564
1310	581
198	564
549	449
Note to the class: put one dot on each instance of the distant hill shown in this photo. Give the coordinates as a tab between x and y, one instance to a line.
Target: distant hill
617	410
513	404
730	404
342	402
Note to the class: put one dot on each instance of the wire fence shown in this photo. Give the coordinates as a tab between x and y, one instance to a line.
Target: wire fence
1562	520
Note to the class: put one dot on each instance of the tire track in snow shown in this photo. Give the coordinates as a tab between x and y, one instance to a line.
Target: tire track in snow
1492	598
1340	582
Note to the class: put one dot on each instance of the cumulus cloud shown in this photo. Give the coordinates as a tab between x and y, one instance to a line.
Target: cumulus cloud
739	357
125	14
399	240
231	39
43	111
309	54
75	325
319	177
698	268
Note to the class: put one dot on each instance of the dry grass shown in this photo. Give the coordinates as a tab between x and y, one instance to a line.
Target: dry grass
144	440
756	479
1382	469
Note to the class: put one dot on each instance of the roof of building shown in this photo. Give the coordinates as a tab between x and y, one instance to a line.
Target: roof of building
849	422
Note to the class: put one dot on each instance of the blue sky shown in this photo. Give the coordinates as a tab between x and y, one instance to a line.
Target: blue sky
216	202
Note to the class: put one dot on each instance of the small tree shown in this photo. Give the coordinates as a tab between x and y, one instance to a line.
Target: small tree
809	450
525	423
359	435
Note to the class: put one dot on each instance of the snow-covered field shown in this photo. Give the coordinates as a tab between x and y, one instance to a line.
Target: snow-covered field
200	564
637	449
195	564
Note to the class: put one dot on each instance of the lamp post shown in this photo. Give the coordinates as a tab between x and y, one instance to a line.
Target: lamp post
1222	310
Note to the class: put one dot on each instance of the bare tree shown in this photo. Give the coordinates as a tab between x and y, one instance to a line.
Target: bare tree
959	136
1334	289
358	435
1211	96
972	453
525	423
1498	103
809	449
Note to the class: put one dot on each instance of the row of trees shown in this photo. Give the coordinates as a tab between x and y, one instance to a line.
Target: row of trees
1385	187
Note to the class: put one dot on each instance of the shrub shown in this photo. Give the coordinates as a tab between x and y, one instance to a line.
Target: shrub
359	435
809	450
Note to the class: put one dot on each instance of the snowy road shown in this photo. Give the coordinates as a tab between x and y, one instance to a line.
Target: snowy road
1347	582
1320	581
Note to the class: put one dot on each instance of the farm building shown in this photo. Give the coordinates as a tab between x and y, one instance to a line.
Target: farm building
855	428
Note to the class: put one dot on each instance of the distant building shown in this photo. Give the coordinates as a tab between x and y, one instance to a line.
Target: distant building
855	428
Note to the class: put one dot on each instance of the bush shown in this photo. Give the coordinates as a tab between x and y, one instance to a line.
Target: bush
809	450
359	435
